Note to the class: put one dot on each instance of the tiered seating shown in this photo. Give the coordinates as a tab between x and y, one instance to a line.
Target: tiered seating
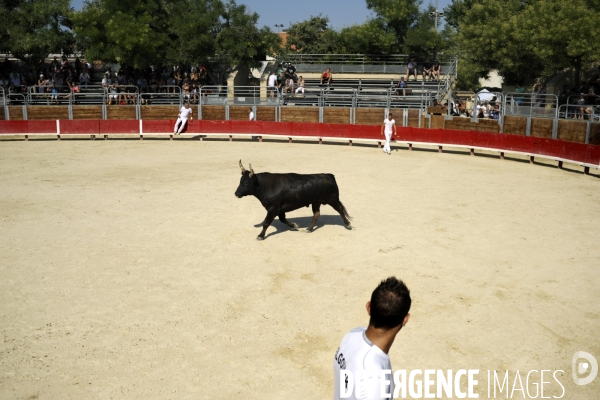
363	93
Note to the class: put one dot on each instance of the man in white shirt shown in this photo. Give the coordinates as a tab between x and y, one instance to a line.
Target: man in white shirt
184	114
388	128
251	118
362	368
272	83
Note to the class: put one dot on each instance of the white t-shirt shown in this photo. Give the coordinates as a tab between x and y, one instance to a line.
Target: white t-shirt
388	125
185	112
357	354
251	116
272	80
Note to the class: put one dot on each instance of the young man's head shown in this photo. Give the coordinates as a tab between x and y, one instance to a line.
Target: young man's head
389	305
187	105
390	116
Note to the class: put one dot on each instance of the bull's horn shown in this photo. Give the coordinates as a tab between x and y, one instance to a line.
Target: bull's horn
242	167
251	170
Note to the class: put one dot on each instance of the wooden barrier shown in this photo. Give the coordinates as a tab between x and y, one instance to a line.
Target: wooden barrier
572	131
87	112
336	115
265	113
46	112
541	127
15	113
236	113
2	116
299	114
216	113
465	124
413	118
370	116
437	122
595	134
121	112
515	125
159	112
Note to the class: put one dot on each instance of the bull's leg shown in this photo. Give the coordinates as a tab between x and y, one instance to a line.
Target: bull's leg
268	219
339	207
285	221
316	207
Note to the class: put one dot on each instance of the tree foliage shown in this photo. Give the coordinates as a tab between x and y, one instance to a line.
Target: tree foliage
141	33
526	40
312	36
32	29
398	16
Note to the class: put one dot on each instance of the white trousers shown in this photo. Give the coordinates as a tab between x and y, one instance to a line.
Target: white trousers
181	121
386	146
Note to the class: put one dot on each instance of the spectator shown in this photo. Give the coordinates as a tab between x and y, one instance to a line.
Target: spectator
289	86
203	75
54	90
77	66
106	80
327	76
113	93
5	83
300	87
427	70
495	111
15	81
171	82
280	81
519	89
41	84
411	69
436	71
401	87
84	78
272	83
290	73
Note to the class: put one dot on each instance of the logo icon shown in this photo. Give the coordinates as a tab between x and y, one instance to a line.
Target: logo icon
580	367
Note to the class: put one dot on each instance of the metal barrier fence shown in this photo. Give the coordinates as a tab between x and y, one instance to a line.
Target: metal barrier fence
531	105
576	111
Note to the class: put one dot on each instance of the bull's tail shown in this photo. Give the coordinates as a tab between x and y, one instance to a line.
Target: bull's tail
344	212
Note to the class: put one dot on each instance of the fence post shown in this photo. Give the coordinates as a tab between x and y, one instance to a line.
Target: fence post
555	128
320	115
528	127
70	106
588	128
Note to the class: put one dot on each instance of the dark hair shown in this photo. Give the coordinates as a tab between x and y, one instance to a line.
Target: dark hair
390	303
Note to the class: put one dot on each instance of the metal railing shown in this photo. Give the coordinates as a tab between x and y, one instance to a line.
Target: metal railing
161	95
535	105
585	112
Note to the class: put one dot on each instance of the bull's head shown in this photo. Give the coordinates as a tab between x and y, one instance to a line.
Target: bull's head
248	182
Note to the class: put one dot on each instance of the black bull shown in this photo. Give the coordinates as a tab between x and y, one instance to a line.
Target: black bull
281	193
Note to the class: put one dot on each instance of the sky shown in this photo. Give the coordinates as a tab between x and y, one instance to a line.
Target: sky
340	12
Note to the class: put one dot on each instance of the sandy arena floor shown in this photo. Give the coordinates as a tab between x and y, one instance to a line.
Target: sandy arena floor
129	270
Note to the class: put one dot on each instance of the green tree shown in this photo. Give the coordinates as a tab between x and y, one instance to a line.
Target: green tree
423	38
313	36
493	37
142	33
397	16
564	34
238	42
32	29
368	38
133	33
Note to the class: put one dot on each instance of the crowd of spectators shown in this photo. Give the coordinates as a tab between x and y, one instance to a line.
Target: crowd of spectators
60	79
